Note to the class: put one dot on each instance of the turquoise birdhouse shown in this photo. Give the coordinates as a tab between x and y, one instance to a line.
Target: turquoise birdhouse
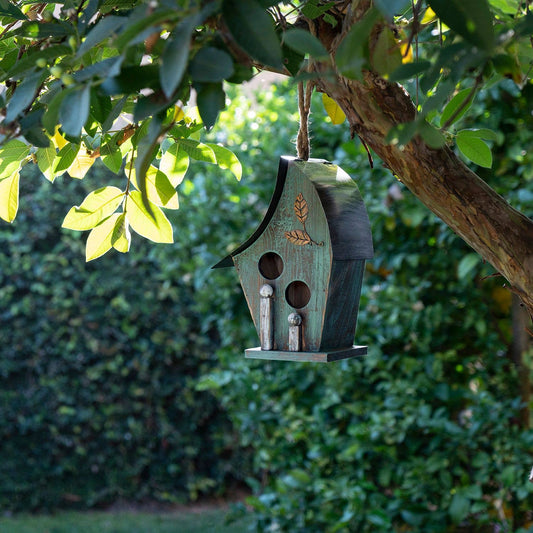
302	269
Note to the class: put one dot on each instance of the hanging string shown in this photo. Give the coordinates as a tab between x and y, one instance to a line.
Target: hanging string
303	146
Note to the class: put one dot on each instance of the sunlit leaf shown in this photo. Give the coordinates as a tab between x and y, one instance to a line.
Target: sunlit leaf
111	156
121	238
197	150
45	161
81	165
227	159
159	189
66	157
174	164
335	113
154	226
95	207
9	197
11	157
100	240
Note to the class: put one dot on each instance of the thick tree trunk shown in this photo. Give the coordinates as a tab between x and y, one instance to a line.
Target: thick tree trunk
499	233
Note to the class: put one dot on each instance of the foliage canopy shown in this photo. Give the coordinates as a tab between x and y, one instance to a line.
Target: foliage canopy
105	80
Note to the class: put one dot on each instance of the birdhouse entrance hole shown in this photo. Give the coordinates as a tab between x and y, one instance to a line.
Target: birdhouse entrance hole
271	265
297	294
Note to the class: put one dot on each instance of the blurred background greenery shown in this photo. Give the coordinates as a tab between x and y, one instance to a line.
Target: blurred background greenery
124	378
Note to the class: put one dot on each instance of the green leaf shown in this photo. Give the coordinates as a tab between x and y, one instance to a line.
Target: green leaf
431	135
142	24
211	99
42	30
159	189
100	240
386	56
96	206
211	65
351	54
74	110
66	157
471	19
253	29
111	156
121	238
459	508
409	70
132	79
197	150
174	164
104	29
305	43
467	264
45	161
313	10
175	55
9	197
454	104
23	95
8	9
389	8
481	133
475	149
11	157
154	226
227	159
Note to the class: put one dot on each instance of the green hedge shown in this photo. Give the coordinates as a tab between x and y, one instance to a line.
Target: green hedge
125	377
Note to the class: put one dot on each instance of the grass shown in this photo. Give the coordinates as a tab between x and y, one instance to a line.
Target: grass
208	520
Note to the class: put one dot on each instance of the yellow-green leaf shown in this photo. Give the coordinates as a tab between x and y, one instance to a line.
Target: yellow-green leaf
81	165
45	161
97	206
158	188
386	57
227	159
335	113
174	164
9	197
100	239
11	156
121	238
154	226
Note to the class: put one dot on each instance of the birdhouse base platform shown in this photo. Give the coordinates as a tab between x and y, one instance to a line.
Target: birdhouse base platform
316	357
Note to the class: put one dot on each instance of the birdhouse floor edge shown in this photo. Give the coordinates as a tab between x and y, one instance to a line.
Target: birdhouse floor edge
327	356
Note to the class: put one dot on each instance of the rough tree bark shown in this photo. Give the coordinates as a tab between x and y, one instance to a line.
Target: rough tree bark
499	233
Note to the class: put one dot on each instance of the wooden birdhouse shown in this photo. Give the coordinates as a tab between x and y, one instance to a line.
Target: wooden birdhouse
302	269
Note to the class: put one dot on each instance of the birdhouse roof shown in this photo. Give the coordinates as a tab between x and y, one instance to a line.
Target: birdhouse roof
345	211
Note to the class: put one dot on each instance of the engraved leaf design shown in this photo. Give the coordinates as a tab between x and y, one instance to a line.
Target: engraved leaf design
298	236
300	208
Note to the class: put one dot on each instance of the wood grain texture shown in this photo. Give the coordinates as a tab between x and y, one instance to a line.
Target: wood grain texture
314	357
